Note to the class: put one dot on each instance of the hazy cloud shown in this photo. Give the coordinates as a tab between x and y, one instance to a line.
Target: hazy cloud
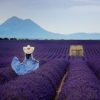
51	3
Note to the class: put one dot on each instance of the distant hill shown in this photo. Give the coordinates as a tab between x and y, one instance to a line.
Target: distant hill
15	27
84	36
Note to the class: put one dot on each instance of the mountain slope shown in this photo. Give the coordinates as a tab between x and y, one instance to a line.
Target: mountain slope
19	28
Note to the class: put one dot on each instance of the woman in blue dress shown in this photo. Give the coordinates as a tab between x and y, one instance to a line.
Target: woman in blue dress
29	63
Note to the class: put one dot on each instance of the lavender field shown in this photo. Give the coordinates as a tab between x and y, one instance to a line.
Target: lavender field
60	76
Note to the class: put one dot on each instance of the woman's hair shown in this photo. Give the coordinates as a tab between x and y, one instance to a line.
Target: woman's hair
28	56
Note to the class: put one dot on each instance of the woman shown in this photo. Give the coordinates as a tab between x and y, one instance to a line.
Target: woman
28	65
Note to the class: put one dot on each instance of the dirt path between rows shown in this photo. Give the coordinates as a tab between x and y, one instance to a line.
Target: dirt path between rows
60	86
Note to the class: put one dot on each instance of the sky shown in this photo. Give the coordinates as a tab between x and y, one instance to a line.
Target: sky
59	16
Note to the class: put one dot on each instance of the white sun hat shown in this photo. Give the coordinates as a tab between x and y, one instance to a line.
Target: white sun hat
28	49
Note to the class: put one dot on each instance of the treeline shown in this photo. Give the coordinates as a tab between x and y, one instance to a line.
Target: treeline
12	39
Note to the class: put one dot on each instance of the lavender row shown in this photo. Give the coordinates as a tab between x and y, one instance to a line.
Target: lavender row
94	64
81	83
40	85
7	74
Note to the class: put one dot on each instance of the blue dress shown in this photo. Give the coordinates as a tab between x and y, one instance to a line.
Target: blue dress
27	66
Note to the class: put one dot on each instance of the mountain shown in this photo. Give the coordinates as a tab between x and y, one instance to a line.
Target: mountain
27	29
19	28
